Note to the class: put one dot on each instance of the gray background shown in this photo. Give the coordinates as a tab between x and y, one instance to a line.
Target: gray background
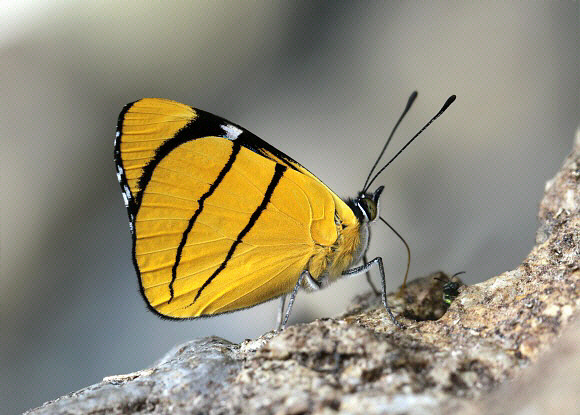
323	82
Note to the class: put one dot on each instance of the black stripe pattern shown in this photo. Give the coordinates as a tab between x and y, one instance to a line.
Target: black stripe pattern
235	150
204	125
278	173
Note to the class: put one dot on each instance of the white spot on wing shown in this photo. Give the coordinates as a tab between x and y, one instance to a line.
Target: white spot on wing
128	192
232	132
125	199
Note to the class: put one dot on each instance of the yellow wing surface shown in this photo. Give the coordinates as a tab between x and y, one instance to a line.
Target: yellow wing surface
220	219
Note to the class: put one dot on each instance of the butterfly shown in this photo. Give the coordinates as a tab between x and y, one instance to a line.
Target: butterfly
221	220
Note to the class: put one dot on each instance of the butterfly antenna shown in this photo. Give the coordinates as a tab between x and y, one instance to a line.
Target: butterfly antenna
408	251
441	111
407	108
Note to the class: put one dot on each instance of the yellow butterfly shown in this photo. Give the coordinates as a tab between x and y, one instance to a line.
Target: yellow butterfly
222	221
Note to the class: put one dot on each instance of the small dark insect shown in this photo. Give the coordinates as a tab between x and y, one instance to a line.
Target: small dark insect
450	288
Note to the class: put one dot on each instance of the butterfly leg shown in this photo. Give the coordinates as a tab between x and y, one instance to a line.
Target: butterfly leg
280	312
365	268
368	275
292	298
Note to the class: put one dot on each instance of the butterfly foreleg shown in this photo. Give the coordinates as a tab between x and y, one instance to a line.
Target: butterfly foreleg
365	268
368	275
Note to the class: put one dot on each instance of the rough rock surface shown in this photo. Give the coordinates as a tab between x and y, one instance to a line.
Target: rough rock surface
446	360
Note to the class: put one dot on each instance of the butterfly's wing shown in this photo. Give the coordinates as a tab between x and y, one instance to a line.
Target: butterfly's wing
220	219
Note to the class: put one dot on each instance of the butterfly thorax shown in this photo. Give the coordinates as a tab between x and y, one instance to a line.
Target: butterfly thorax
351	245
329	262
353	235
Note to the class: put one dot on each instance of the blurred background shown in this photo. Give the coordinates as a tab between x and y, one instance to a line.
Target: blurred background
323	82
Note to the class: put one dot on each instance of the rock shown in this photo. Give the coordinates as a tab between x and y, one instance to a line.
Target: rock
552	386
445	360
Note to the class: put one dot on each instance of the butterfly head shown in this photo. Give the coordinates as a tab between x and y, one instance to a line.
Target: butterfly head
367	205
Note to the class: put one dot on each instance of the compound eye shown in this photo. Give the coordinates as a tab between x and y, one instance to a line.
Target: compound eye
370	208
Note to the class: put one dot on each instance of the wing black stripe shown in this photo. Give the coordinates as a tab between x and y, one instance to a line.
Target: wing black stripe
204	124
278	173
235	150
